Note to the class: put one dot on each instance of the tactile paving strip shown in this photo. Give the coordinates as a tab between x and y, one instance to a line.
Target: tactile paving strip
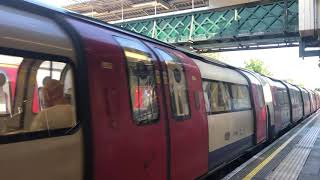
292	165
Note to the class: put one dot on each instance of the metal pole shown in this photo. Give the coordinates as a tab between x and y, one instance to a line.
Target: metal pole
191	23
51	69
286	16
122	10
154	21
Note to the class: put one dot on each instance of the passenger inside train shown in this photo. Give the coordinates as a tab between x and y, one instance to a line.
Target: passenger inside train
43	96
57	108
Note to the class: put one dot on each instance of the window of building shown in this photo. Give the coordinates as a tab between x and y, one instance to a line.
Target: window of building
240	97
142	82
41	103
177	85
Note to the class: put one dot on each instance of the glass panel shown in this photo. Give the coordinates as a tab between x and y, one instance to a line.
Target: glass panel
207	95
285	96
260	96
23	76
280	97
53	99
220	97
8	72
177	85
240	97
141	81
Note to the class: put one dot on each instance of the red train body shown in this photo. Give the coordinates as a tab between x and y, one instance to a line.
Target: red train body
142	109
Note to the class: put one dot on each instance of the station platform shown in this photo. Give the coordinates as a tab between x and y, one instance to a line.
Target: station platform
295	155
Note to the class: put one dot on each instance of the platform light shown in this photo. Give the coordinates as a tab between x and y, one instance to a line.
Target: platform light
136	56
90	13
150	3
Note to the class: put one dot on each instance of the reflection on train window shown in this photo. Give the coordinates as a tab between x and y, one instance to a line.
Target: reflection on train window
282	97
42	103
177	85
141	81
285	96
206	93
260	96
306	99
240	97
5	93
219	97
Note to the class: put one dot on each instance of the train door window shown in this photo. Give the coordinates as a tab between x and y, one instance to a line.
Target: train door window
177	85
8	73
285	97
142	82
260	96
240	97
47	70
36	81
220	97
207	95
280	97
5	94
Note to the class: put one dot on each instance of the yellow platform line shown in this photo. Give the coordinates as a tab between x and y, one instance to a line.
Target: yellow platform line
272	155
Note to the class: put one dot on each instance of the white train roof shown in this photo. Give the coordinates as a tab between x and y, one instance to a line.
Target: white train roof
253	78
218	73
27	31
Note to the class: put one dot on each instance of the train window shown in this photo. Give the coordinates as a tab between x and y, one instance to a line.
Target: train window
142	82
5	97
46	71
285	97
280	97
240	97
177	85
260	96
220	99
41	83
207	94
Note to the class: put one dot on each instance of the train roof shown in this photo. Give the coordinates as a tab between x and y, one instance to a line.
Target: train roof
32	32
39	6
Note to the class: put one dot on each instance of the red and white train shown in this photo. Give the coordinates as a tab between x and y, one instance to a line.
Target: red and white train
124	106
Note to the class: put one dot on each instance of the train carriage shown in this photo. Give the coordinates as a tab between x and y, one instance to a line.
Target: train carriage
226	95
295	100
306	102
260	110
281	104
82	99
268	99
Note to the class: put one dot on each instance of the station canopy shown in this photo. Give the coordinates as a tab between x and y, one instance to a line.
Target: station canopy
114	10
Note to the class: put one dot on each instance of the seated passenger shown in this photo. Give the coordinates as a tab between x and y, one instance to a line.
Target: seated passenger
57	113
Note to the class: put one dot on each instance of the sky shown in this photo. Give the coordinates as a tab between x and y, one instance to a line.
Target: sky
283	63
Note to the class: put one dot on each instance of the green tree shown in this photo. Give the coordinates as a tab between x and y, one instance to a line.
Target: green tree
258	66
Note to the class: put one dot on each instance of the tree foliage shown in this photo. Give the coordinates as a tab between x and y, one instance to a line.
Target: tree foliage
258	66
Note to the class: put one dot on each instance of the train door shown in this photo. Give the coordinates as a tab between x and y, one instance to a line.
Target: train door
186	116
260	109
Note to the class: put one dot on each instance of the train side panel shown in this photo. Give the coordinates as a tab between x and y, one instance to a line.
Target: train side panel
230	121
259	107
281	105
